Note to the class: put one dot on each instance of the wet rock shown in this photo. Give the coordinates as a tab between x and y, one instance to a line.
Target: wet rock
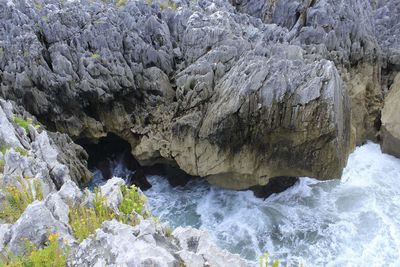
138	178
275	185
104	167
175	176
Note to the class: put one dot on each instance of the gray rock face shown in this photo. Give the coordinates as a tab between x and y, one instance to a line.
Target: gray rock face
35	225
391	120
203	87
5	235
359	36
197	246
35	155
116	244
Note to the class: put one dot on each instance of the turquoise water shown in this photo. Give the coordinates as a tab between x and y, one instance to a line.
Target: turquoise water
354	221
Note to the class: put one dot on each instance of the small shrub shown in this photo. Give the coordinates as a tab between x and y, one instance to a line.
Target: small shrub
264	261
84	221
131	200
95	56
49	256
168	231
168	4
38	6
2	165
121	3
21	151
25	123
17	199
45	18
4	149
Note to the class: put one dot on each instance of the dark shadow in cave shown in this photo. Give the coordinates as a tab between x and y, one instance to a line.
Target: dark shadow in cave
111	156
275	185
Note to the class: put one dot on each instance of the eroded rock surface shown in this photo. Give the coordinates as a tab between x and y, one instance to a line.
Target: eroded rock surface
213	90
391	120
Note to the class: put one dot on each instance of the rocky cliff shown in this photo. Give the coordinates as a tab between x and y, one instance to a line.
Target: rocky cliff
32	156
238	92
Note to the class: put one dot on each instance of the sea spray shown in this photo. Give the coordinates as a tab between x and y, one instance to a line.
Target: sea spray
354	221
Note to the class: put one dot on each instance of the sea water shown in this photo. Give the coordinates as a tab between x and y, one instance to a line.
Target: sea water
354	221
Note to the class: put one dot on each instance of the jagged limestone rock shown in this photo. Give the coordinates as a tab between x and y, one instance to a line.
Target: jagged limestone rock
191	87
391	120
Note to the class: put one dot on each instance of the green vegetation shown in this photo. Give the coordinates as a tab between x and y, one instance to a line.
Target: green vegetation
25	123
168	4
38	6
2	164
49	256
3	149
131	201
45	18
21	151
164	5
17	199
84	221
264	261
95	56
121	3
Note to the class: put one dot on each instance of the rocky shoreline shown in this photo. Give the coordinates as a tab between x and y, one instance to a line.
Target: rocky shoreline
35	155
239	92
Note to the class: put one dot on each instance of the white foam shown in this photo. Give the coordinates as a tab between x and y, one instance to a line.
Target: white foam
351	222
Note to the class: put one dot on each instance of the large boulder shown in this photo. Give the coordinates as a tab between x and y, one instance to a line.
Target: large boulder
273	114
391	120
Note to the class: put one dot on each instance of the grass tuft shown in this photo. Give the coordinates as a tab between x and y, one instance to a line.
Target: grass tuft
17	199
52	255
168	4
121	3
25	123
95	56
84	221
264	261
131	200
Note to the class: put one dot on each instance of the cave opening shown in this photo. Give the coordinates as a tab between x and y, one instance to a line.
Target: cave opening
111	156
